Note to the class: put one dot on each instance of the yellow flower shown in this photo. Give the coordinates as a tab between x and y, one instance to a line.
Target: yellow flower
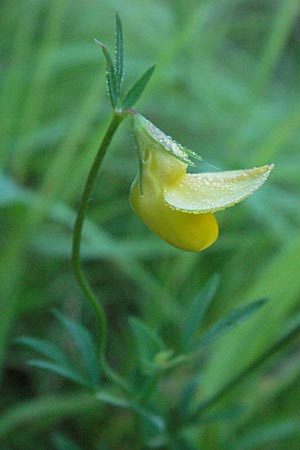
179	206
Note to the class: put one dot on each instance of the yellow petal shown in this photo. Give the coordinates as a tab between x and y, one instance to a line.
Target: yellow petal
148	135
178	206
211	192
191	232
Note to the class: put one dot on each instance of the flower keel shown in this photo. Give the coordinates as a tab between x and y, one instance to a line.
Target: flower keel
191	232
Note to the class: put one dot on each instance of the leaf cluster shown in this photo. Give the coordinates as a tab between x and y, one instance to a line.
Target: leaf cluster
115	74
84	370
156	360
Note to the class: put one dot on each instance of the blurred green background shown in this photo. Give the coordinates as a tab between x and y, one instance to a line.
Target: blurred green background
226	85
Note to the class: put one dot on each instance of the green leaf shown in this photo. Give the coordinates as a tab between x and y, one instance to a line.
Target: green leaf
111	79
40	413
148	343
155	420
11	192
245	373
227	323
119	53
44	348
187	395
264	436
66	372
116	400
227	414
112	399
137	89
198	310
85	346
62	442
58	362
181	443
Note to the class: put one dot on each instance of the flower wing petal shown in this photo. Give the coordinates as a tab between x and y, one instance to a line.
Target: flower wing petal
211	192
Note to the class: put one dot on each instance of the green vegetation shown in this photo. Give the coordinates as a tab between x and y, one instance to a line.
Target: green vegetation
226	85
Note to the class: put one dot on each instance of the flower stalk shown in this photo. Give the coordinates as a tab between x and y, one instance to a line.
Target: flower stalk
121	109
76	244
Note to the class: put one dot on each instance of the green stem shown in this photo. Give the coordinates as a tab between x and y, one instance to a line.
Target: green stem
281	343
77	235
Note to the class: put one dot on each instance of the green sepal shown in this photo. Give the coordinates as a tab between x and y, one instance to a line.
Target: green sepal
148	134
192	154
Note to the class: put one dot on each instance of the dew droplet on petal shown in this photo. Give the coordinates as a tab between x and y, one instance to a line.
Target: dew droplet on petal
210	192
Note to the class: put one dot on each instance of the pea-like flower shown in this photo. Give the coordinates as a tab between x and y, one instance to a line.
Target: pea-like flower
178	206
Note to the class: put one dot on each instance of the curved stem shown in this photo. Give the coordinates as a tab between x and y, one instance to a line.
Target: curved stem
77	235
